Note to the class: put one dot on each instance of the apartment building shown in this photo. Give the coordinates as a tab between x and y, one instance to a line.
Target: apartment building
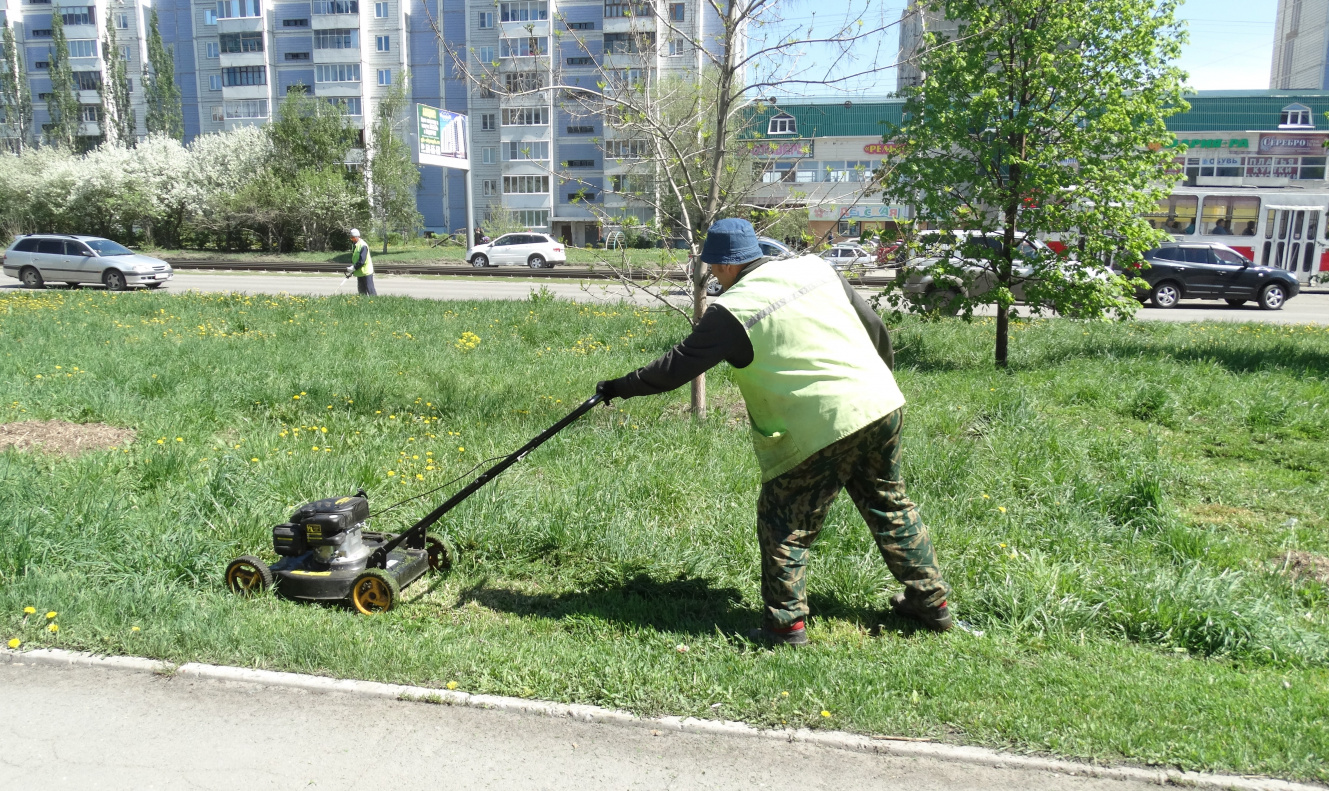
1301	46
85	28
913	23
497	62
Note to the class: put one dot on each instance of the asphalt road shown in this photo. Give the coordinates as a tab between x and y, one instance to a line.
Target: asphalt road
90	728
1306	308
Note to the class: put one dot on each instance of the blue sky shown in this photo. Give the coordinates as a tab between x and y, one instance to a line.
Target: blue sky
1231	41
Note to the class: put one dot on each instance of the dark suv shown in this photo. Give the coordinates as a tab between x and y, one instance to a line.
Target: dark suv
1212	271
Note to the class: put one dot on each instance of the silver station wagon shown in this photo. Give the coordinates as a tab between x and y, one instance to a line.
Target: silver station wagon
61	258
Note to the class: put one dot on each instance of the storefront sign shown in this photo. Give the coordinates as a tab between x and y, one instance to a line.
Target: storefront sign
867	211
1227	142
881	148
1312	145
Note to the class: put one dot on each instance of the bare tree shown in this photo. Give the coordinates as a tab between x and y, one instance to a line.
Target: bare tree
679	99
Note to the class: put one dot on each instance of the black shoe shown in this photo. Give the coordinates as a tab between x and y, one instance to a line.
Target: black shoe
794	635
937	618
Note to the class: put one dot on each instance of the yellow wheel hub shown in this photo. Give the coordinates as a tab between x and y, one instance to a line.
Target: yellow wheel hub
372	595
245	579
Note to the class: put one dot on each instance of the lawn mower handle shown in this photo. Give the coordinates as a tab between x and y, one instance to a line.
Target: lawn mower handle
416	532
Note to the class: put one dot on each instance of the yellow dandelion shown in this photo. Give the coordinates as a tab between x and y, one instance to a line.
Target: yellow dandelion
391	473
825	713
985	497
161	442
254	459
1001	508
51	614
452	685
135	629
29	610
784	694
295	398
419	477
15	642
55	627
461	449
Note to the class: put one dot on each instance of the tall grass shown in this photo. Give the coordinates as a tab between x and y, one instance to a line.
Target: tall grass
1108	511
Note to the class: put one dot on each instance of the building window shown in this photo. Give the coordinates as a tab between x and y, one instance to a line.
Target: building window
581	130
486	54
295	23
90	113
240	42
525	116
235	9
532	218
87	80
782	124
848	228
1295	116
385	76
324	7
581	163
337	72
631	183
210	16
524	11
82	48
579	61
297	56
214	82
79	15
380	10
41	65
490	187
678	46
349	105
211	49
299	87
626	78
524	150
383	43
581	26
617	9
237	76
122	21
526	46
218	114
486	20
519	81
124	52
626	149
247	108
40	32
628	43
489	155
339	38
488	122
676	13
525	185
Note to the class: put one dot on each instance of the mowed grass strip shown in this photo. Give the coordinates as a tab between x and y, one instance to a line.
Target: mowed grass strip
1112	512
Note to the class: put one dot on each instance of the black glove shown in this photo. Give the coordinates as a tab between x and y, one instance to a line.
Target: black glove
607	390
349	270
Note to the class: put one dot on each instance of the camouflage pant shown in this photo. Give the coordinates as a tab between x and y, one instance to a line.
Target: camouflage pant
792	507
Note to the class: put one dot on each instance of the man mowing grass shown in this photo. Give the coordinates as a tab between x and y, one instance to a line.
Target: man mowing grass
814	364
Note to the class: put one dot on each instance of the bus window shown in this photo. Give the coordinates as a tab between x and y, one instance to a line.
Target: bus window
1229	216
1175	214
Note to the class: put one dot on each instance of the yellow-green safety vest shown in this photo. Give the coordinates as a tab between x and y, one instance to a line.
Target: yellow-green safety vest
367	268
815	375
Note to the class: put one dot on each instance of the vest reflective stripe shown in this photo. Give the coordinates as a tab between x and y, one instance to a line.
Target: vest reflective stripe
815	375
367	268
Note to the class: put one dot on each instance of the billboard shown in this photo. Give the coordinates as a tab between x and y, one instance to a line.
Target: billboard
869	211
441	138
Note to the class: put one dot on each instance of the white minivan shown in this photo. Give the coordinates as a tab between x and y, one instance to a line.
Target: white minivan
536	250
74	260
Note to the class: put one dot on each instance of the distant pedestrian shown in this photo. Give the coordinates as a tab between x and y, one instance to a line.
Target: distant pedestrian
362	265
479	235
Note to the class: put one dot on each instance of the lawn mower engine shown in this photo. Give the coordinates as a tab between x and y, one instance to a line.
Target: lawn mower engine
328	555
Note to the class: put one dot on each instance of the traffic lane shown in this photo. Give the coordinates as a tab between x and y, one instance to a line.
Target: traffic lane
99	728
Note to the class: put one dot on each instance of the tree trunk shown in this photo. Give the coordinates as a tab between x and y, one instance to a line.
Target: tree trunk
699	274
1003	330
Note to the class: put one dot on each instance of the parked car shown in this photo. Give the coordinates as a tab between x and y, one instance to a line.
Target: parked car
843	256
774	249
536	250
1212	271
933	290
70	259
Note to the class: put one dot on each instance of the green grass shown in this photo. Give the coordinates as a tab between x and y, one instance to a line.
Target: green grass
419	252
1109	511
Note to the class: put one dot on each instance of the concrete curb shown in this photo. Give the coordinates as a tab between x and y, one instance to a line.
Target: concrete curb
582	713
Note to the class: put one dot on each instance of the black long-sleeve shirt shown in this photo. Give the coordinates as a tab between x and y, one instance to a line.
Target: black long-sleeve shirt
720	336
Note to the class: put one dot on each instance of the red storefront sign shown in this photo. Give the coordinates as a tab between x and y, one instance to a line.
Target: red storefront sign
1309	145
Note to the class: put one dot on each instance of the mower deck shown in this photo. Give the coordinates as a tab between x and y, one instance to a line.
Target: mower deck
302	578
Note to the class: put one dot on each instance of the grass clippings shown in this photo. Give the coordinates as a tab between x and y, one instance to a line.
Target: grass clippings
1298	564
61	437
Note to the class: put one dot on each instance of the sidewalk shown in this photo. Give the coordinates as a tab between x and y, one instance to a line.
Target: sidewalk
79	727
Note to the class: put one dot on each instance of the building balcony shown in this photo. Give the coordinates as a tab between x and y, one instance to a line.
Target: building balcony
242	24
348	55
538	201
244	59
334	21
245	91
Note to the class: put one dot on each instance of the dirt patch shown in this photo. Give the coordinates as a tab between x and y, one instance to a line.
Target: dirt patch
1297	564
60	437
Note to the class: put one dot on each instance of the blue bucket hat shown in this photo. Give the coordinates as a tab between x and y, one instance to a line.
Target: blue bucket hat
731	241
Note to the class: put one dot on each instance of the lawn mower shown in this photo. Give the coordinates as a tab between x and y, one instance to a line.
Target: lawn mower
328	554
